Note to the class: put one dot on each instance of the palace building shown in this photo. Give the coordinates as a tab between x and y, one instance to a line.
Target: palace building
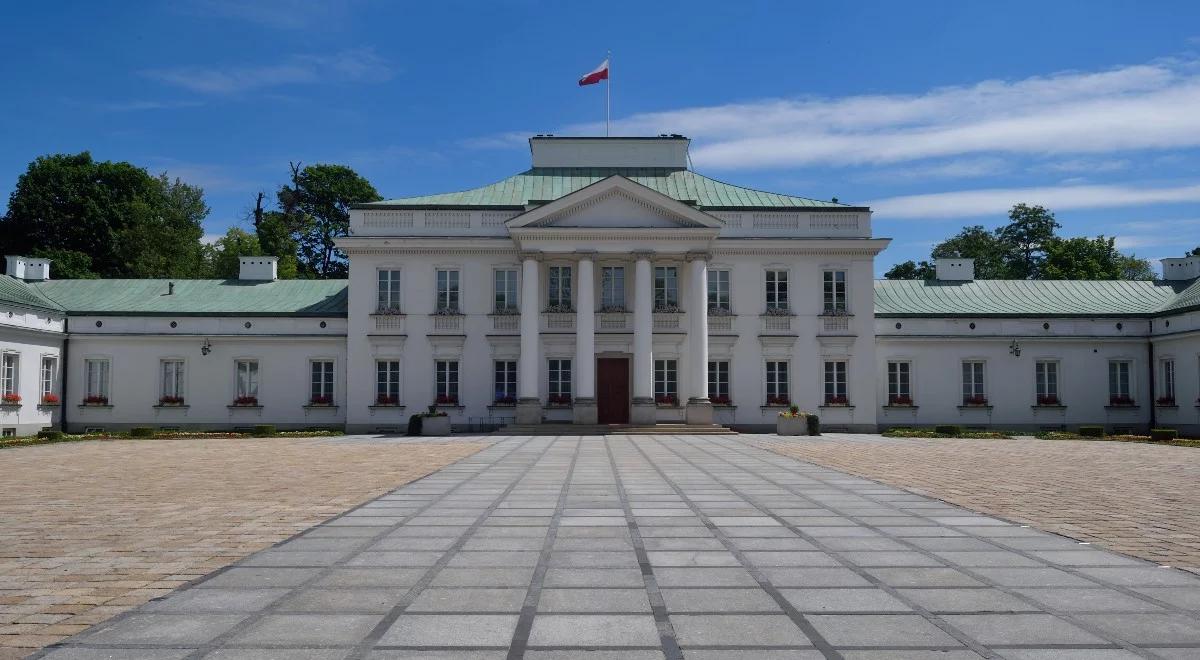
609	283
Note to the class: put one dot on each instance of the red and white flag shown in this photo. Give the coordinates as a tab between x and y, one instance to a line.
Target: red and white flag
597	74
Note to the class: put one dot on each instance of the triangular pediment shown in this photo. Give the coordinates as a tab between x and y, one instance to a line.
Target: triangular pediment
615	203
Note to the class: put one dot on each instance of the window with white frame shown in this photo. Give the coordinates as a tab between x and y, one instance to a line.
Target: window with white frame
835	383
1120	392
8	432
666	382
448	291
1166	387
612	288
446	377
718	292
835	291
1045	374
389	291
506	381
559	288
899	383
972	383
718	382
320	389
505	291
10	371
247	381
95	378
559	386
387	382
666	288
777	383
49	378
172	377
777	291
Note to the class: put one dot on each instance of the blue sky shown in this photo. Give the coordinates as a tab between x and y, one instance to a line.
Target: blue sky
937	114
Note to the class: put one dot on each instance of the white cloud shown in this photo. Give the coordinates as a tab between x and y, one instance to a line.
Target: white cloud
961	168
280	14
138	106
966	203
1083	165
353	65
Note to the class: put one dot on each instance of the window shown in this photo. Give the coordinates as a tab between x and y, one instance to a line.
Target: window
666	288
1046	375
1166	387
8	432
777	384
666	382
835	383
389	291
10	369
506	381
446	376
171	390
321	384
560	288
247	379
835	291
387	382
505	291
718	291
777	295
612	288
96	381
1119	392
718	382
447	291
49	378
900	384
560	381
972	373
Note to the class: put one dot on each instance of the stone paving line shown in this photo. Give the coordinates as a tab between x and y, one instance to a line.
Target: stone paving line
665	547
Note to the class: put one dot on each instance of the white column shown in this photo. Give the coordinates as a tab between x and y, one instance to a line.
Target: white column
643	410
585	330
527	368
697	312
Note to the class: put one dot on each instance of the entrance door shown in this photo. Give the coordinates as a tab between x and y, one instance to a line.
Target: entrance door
612	390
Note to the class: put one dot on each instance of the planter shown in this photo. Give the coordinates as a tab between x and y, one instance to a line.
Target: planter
435	426
791	426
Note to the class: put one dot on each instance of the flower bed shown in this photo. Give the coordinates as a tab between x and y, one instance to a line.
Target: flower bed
908	432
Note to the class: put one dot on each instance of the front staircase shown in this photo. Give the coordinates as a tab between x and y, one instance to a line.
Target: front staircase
612	429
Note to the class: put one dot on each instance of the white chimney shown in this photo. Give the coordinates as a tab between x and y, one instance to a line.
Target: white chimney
263	269
955	269
1185	268
30	269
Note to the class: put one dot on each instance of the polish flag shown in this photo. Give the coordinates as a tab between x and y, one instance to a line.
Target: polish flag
597	74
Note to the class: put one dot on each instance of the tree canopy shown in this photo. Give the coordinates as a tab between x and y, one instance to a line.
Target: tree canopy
314	210
1029	248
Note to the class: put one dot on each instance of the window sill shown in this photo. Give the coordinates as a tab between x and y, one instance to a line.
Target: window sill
779	315
320	406
385	406
835	406
102	406
502	406
775	406
396	313
49	405
559	406
667	406
1048	406
4	406
235	407
172	405
725	406
901	406
1123	406
448	406
837	313
986	407
1170	406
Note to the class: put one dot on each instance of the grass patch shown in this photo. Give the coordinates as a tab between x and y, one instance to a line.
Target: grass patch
945	432
140	434
1068	435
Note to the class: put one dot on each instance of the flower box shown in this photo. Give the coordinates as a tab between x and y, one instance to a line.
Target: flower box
837	401
446	400
1165	401
435	425
1048	400
320	401
246	401
559	399
900	401
791	422
95	401
50	400
778	401
10	399
667	400
974	401
1121	400
504	400
720	401
170	401
382	400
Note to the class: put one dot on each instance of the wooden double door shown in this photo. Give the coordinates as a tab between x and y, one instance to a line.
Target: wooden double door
612	390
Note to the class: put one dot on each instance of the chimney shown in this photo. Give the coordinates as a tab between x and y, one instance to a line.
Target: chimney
258	269
670	151
30	269
955	269
1185	268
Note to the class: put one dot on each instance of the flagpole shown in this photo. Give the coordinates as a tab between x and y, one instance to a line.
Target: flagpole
608	98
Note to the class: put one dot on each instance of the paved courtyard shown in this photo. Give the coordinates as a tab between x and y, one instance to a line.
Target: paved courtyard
644	547
91	529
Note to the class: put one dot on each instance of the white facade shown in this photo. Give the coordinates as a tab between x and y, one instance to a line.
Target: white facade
30	364
607	303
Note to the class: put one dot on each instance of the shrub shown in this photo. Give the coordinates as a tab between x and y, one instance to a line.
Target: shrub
416	423
50	435
1163	435
814	424
141	432
1091	431
264	430
948	429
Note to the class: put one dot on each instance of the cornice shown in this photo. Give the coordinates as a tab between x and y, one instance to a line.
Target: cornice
429	250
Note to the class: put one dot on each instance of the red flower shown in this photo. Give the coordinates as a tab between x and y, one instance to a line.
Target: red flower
11	398
975	401
320	401
831	400
95	400
447	400
666	400
900	400
49	397
1120	400
778	400
1048	400
385	400
720	400
246	401
1166	401
560	399
171	400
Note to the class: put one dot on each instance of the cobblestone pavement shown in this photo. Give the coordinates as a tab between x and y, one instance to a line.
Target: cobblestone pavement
1135	498
696	547
92	529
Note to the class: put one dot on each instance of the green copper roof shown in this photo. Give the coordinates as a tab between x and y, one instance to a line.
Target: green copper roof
17	292
550	183
198	297
1030	297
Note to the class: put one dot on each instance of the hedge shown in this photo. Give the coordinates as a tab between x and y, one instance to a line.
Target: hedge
1163	435
264	430
141	432
1091	431
948	429
813	423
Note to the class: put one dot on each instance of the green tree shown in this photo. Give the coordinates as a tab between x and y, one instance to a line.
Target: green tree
1097	258
125	221
1029	229
983	246
67	264
316	207
223	254
911	270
